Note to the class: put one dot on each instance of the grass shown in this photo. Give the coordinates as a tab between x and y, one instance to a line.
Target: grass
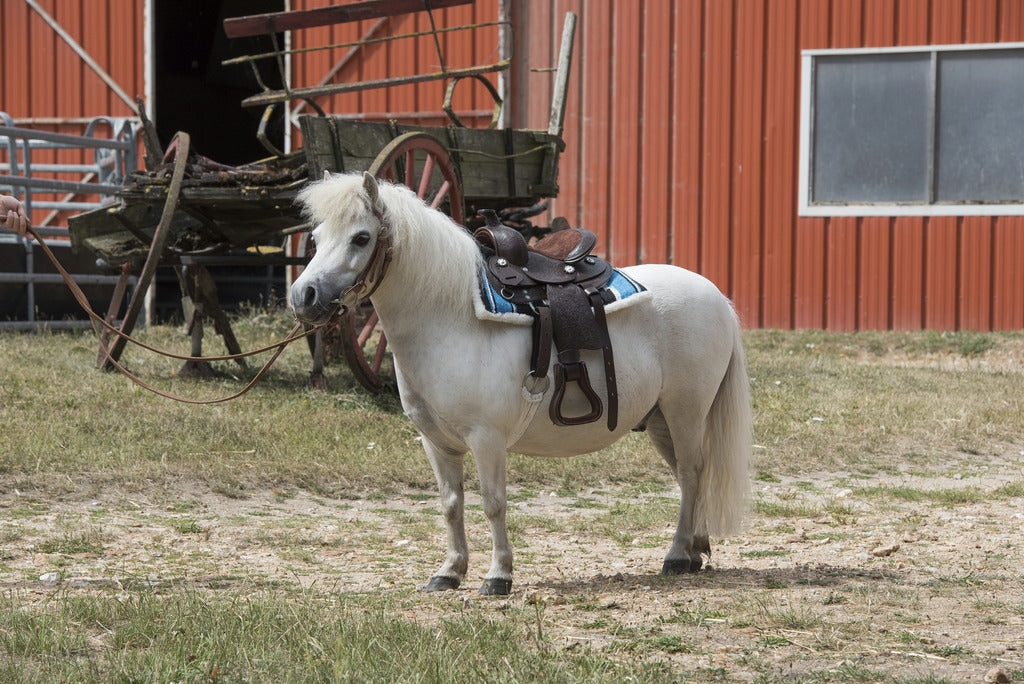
869	410
259	634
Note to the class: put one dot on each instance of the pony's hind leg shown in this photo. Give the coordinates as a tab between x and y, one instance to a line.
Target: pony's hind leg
448	469
684	460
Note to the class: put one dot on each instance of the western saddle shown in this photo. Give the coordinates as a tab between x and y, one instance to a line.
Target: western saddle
559	282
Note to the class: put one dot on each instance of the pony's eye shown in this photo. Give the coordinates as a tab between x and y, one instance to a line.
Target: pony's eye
361	239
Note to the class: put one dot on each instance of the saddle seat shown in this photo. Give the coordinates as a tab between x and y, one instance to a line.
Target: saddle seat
562	282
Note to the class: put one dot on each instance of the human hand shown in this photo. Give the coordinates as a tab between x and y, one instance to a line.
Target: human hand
13	216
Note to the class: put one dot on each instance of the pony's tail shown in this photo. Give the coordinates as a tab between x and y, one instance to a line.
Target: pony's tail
724	487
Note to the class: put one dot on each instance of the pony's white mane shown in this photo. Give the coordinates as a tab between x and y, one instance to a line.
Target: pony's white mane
434	254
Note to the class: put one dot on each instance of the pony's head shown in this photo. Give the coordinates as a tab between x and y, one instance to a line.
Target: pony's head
352	246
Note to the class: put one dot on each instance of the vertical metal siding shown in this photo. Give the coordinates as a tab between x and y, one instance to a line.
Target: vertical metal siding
47	86
720	123
681	129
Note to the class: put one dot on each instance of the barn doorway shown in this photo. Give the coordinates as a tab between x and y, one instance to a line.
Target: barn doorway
194	93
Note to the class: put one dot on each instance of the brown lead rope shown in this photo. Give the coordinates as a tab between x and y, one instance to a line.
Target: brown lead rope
95	318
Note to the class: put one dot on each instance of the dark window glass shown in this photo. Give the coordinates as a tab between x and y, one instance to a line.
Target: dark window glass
980	126
871	133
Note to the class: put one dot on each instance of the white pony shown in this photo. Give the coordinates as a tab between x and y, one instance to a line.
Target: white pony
678	353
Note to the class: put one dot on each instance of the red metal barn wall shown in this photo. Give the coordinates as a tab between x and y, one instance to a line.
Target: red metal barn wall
45	85
682	134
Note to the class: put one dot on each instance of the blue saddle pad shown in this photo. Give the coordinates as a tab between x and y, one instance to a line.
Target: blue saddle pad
620	287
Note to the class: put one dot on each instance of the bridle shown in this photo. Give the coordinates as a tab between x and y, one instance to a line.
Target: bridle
370	278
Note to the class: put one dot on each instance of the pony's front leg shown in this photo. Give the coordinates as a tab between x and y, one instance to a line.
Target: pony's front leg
490	466
448	469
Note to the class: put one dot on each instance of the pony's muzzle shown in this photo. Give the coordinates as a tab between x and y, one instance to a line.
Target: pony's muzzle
309	306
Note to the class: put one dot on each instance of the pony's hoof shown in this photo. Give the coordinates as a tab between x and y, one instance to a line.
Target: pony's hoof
680	566
496	587
442	583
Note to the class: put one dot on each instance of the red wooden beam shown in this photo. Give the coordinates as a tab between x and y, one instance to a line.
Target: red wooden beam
275	22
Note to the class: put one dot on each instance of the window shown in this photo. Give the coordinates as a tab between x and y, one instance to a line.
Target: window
913	131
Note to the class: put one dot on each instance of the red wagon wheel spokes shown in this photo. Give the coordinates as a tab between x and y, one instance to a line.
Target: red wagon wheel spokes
441	194
423	165
428	169
365	347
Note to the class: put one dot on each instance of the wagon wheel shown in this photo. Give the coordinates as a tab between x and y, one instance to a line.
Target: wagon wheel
421	163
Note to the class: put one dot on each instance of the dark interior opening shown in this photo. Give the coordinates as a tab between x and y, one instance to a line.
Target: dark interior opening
195	93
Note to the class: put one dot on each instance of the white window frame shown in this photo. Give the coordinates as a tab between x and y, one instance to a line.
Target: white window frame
806	208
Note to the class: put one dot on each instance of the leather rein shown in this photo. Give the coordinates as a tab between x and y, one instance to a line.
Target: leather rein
99	322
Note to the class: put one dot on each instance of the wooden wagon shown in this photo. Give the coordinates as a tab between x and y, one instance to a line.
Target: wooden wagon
192	212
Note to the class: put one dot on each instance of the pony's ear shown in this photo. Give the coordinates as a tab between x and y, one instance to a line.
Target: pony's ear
327	175
370	185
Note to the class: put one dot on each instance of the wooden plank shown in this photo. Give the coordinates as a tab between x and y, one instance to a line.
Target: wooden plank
276	96
275	22
655	134
780	163
975	296
747	170
625	140
717	151
941	280
686	134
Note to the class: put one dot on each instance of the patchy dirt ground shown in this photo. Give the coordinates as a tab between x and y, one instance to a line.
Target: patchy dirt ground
914	576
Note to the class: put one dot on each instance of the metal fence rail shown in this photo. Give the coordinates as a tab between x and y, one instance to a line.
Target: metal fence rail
44	187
